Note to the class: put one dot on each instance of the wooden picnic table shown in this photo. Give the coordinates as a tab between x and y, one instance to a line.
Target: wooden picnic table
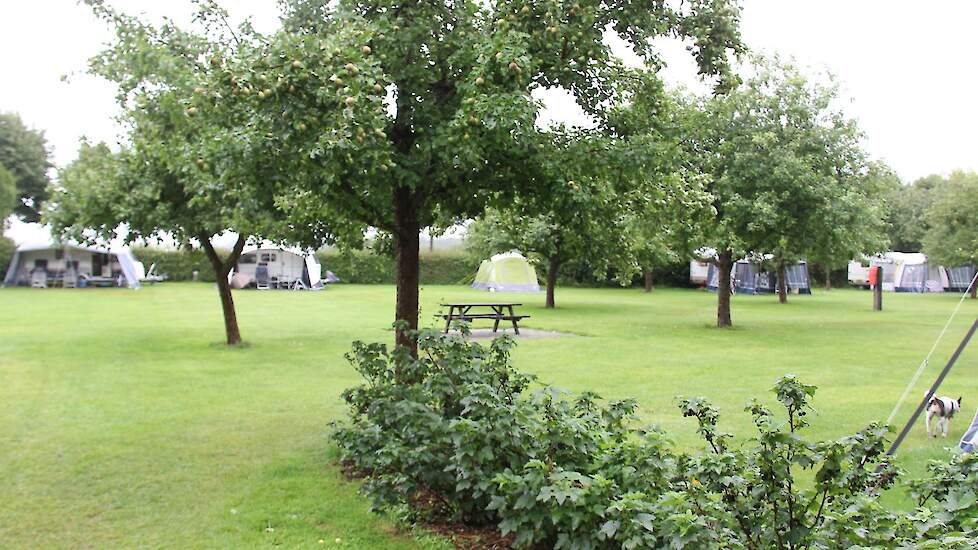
463	312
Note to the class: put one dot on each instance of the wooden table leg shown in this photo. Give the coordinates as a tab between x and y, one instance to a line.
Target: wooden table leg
516	327
448	321
499	314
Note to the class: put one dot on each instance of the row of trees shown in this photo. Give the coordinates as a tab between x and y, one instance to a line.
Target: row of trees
375	115
365	114
769	167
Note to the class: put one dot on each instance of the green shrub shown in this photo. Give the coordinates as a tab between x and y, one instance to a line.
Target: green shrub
456	435
7	249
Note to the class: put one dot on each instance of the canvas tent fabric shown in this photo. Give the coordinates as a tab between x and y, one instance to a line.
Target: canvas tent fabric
959	278
913	273
747	277
969	441
56	260
509	272
282	265
910	272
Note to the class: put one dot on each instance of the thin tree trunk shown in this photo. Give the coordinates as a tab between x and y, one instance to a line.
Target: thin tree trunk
724	263
648	279
552	271
407	241
431	243
221	270
828	278
782	283
974	290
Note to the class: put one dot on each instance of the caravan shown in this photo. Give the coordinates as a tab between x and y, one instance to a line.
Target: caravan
73	266
278	268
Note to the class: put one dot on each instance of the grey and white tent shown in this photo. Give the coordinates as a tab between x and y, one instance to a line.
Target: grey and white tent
969	441
270	267
905	272
748	277
68	264
959	278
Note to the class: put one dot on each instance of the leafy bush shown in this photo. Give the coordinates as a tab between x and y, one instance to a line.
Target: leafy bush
456	434
7	249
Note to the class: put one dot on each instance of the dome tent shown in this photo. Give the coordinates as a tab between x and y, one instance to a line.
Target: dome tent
509	272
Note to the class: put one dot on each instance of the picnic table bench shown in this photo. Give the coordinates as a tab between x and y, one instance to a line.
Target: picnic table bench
497	312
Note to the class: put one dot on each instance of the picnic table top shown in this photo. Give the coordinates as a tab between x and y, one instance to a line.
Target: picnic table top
481	304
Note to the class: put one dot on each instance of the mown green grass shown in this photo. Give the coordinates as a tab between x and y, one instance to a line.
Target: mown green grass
125	423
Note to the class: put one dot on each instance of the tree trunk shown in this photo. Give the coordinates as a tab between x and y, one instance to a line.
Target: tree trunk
407	240
724	263
221	270
974	289
782	283
648	279
828	278
552	270
227	304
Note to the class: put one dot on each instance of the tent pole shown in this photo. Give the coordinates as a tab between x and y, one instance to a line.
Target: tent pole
933	389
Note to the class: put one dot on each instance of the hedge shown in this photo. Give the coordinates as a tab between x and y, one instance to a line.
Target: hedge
367	267
177	265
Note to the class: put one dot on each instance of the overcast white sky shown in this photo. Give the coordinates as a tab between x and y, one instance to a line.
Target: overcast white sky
907	67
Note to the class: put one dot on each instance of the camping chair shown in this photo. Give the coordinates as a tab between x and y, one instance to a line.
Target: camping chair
298	285
70	279
39	278
261	278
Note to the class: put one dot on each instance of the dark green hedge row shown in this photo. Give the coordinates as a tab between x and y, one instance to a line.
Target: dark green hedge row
366	267
361	266
178	265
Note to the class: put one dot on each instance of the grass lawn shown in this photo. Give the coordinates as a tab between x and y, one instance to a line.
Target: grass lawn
125	423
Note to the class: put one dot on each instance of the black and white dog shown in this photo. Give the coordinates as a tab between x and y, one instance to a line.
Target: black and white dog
943	408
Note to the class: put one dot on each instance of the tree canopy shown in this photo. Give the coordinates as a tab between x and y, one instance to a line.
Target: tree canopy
783	164
952	235
907	219
459	125
24	153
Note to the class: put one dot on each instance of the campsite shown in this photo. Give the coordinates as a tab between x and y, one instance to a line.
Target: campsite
136	431
488	275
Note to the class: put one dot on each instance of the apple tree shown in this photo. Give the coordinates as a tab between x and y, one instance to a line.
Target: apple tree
196	163
581	205
459	129
784	167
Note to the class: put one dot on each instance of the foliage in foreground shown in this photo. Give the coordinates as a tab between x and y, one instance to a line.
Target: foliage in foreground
456	434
